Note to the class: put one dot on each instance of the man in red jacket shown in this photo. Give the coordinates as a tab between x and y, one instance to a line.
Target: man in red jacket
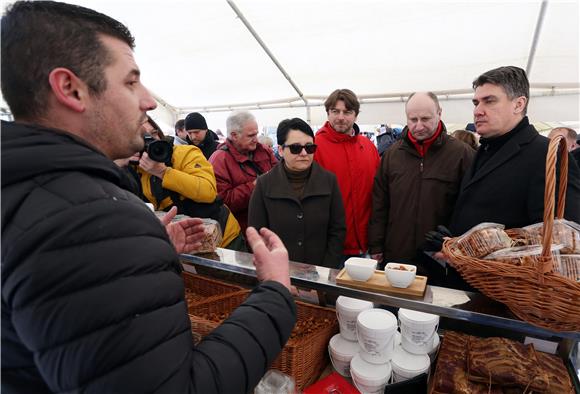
354	159
238	162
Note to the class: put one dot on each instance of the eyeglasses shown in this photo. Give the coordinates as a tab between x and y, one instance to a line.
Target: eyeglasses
295	149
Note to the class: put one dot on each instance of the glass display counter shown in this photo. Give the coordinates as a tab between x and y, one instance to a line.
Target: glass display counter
448	303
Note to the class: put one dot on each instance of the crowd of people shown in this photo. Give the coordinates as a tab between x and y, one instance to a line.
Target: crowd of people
389	201
92	298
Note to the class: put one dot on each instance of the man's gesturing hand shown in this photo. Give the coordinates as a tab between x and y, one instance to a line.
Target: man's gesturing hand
185	235
270	256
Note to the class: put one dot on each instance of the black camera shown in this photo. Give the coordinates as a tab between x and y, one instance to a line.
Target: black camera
158	150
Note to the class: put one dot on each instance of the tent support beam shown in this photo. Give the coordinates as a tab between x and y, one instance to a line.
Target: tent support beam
547	88
364	99
269	53
536	38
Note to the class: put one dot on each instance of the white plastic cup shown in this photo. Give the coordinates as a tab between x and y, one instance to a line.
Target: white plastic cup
406	365
376	335
341	352
418	330
347	310
369	378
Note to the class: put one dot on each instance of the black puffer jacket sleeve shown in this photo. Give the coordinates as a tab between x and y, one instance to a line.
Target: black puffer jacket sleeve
94	295
248	341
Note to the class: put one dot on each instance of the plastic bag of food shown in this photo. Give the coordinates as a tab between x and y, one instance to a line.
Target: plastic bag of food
527	256
275	381
212	236
483	239
564	232
569	266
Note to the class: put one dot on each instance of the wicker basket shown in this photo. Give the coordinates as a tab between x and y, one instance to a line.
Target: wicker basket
200	289
533	293
304	358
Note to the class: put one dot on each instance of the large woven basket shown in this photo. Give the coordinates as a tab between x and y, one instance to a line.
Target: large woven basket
535	294
304	358
200	289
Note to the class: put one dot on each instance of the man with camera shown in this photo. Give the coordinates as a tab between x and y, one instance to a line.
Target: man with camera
179	175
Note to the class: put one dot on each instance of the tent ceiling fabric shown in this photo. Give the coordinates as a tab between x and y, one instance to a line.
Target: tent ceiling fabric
195	54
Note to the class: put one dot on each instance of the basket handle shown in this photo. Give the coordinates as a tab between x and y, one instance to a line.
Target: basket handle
557	146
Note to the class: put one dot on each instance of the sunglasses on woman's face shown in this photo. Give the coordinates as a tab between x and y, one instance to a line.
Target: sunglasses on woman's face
295	149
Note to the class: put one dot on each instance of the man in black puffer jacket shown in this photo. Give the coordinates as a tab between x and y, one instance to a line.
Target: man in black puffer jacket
92	298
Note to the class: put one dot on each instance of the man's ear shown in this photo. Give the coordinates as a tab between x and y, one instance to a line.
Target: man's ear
520	104
68	89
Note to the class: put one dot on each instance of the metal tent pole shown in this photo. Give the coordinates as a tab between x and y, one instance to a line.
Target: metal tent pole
269	53
536	36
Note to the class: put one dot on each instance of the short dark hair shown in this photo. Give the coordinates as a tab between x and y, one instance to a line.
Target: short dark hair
39	36
350	100
292	124
511	78
180	125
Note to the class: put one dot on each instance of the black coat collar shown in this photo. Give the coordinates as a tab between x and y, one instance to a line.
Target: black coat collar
511	148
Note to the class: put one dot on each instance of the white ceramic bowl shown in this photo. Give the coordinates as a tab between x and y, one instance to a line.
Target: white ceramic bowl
398	277
360	269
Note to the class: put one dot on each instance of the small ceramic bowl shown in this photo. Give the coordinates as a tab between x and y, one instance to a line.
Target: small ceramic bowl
400	275
360	269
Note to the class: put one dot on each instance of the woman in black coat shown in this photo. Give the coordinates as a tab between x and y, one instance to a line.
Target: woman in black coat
300	201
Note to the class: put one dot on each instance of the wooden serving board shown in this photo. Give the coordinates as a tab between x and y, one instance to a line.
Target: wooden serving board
380	284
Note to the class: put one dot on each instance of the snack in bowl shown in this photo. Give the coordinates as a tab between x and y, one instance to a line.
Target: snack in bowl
360	269
400	275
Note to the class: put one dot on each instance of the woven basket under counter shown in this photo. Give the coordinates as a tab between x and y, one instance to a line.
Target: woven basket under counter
200	289
304	358
533	293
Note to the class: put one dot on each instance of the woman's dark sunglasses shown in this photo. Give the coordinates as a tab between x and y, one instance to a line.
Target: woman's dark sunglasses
295	149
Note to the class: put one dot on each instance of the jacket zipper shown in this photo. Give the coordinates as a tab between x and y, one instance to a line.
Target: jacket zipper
418	197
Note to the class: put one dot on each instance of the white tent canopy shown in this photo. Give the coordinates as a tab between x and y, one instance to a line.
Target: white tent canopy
202	55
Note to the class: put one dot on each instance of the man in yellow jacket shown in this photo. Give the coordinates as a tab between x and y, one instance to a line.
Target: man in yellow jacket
186	181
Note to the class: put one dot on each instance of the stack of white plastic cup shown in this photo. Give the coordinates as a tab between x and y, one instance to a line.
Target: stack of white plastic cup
341	352
371	368
344	346
347	310
376	330
406	365
417	344
369	378
418	331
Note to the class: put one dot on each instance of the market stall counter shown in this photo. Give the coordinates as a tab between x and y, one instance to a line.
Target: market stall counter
465	309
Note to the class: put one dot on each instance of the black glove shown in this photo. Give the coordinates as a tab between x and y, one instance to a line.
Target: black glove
434	239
